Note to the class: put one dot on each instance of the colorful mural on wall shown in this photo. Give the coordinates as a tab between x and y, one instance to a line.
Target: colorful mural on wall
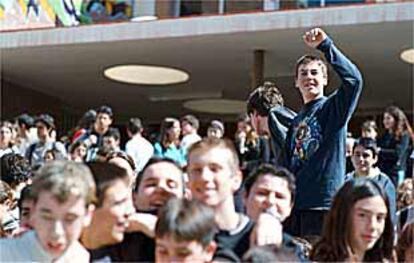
28	14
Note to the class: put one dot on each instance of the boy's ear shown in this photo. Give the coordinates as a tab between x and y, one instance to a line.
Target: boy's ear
375	159
237	179
325	80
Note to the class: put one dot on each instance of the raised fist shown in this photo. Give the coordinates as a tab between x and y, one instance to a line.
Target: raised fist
314	37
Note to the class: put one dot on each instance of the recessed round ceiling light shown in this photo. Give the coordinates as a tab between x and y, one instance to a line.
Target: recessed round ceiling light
408	55
220	106
146	75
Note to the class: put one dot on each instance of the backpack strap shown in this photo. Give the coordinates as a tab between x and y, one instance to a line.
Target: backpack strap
30	151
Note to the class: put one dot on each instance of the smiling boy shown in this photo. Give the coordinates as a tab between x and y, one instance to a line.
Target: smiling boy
160	180
313	141
63	193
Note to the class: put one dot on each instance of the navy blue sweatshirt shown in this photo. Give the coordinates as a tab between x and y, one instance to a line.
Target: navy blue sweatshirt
314	143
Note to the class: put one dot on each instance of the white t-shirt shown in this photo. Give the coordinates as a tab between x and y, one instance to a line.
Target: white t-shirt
27	248
140	149
189	140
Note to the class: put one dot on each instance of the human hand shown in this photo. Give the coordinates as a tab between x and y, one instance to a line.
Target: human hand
314	37
142	222
268	230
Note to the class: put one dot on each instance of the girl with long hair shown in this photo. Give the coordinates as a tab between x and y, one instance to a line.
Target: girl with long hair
169	141
358	227
251	148
395	144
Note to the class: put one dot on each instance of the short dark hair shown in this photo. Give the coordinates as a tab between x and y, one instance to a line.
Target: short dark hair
186	220
368	125
192	120
76	144
113	132
367	143
15	169
306	59
25	119
47	120
105	174
264	98
122	155
152	161
53	152
277	172
25	195
105	110
134	125
103	151
88	118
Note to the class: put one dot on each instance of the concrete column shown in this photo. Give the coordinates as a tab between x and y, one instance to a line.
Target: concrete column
167	9
257	75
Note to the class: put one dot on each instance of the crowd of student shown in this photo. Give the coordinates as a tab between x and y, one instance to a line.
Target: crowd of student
283	190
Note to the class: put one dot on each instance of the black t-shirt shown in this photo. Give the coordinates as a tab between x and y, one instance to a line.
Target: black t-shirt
136	247
237	240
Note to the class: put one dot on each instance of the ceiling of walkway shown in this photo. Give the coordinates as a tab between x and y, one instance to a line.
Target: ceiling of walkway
219	66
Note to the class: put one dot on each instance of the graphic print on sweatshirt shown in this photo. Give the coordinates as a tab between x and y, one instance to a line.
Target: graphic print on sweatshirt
308	137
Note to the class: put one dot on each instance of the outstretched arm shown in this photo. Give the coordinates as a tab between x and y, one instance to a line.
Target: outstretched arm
344	101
